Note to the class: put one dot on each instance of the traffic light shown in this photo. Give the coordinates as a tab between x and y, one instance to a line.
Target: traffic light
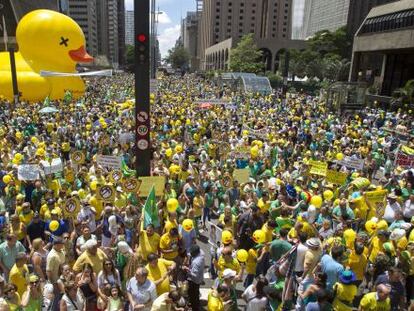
142	86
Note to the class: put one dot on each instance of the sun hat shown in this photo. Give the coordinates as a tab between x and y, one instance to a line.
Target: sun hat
397	234
313	242
229	273
347	277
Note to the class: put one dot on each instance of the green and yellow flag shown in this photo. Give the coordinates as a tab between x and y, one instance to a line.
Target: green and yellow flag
150	210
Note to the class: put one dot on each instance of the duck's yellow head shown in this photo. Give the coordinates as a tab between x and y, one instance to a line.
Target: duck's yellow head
49	40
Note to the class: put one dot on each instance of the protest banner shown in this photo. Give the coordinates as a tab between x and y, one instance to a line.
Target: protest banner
356	164
241	175
108	161
404	160
214	234
377	199
256	134
318	167
147	182
28	172
241	152
337	178
54	166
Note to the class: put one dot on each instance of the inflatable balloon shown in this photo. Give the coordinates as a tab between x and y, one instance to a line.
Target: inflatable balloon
53	225
226	237
34	140
328	195
370	226
187	225
254	151
242	255
172	205
7	179
316	201
259	236
48	41
339	156
94	185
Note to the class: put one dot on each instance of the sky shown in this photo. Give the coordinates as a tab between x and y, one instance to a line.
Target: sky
169	20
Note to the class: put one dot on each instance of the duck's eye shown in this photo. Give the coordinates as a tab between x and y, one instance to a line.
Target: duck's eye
64	41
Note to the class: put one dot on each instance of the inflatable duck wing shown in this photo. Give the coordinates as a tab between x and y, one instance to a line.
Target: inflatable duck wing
47	41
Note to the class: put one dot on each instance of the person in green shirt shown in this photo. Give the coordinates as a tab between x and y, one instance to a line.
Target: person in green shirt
281	246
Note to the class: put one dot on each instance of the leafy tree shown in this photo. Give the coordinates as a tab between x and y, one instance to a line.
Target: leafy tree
327	42
405	94
178	57
130	56
246	57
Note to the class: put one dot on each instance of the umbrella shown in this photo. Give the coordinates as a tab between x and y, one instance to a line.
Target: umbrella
49	109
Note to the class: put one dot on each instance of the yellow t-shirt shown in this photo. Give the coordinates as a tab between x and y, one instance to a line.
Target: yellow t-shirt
98	205
357	263
148	244
263	206
251	262
268	233
167	242
19	232
45	212
169	225
344	293
96	261
158	272
376	248
222	265
214	303
198	204
19	277
370	303
349	237
26	218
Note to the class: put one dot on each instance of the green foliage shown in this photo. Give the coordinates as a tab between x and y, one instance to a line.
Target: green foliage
246	57
130	56
405	94
327	42
275	79
178	57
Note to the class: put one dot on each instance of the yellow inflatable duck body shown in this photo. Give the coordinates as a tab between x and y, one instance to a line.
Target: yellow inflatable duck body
48	41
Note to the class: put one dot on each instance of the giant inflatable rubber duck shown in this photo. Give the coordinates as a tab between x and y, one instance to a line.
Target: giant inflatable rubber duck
47	41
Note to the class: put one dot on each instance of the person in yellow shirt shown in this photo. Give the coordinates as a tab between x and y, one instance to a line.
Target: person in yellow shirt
17	228
268	229
376	244
26	214
233	219
149	242
345	291
159	271
169	244
19	273
226	261
92	255
46	210
264	203
171	222
216	297
378	300
357	262
251	264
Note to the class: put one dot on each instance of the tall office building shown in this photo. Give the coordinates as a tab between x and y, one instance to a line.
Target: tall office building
129	27
189	36
113	32
224	22
102	17
85	14
298	19
324	15
121	32
358	10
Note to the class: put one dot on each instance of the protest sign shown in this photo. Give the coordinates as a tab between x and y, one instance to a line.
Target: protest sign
55	166
257	134
377	199
404	160
28	172
113	162
356	164
214	234
147	182
337	178
241	175
241	152
78	157
131	184
318	167
116	175
106	193
71	207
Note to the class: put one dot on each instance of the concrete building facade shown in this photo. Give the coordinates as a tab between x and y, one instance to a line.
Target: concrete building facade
383	49
224	22
113	32
129	27
189	37
121	33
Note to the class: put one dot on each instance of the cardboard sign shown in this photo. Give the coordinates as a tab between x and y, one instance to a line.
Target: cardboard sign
112	162
318	167
356	164
404	160
336	178
106	193
55	166
241	175
377	199
116	175
257	134
131	184
28	172
72	206
78	157
147	182
214	234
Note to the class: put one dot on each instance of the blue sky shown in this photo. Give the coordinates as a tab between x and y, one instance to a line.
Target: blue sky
169	21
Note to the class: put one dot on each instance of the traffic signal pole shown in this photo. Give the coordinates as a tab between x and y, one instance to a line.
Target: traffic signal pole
142	87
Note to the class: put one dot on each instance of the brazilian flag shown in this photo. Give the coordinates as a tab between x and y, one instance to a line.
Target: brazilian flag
150	210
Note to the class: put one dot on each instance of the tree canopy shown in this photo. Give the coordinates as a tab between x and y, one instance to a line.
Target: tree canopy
178	57
246	57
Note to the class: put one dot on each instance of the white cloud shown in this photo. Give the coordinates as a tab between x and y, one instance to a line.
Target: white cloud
129	5
167	38
163	18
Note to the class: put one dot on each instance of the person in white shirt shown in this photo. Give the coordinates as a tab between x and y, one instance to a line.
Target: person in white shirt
300	254
87	215
254	295
392	207
141	292
409	208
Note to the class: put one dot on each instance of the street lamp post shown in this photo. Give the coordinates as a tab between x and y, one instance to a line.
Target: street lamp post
142	85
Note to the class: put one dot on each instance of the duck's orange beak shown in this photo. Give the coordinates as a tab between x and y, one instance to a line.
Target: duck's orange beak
80	55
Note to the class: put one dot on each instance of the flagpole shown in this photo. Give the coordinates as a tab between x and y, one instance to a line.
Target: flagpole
5	37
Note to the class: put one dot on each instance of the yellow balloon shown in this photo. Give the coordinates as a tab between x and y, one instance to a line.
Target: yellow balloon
339	156
82	194
7	179
18	156
226	237
50	41
53	225
169	152
316	200
178	148
40	152
94	185
172	205
242	255
328	195
259	236
254	151
188	225
34	140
